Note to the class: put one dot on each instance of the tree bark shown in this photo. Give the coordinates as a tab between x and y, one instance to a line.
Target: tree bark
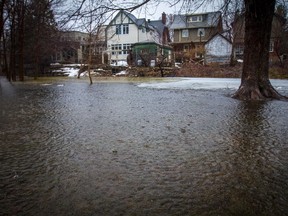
11	75
255	84
21	17
1	16
90	60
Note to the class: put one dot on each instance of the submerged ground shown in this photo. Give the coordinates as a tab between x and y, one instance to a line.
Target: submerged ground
141	147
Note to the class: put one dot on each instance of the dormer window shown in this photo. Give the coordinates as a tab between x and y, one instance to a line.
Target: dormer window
195	18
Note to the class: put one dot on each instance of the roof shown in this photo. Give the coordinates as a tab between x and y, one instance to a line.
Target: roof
219	35
138	22
157	24
151	24
209	19
151	43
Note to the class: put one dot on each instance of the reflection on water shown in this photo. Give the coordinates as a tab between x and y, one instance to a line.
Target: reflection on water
68	148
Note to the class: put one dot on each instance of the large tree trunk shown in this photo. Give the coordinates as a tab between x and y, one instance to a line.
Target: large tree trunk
255	84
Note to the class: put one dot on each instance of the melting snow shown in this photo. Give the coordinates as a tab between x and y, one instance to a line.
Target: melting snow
195	83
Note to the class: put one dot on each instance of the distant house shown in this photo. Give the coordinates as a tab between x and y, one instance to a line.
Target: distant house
277	36
192	31
73	47
218	49
125	29
69	47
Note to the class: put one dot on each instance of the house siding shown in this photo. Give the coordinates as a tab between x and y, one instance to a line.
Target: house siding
209	24
218	49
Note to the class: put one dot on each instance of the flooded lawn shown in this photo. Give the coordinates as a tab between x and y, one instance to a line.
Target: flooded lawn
139	147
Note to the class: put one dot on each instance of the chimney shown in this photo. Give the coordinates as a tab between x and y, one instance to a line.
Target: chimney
164	18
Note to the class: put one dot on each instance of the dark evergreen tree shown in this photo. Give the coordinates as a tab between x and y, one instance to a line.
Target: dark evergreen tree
41	32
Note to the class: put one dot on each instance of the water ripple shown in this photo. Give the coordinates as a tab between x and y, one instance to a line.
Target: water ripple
116	149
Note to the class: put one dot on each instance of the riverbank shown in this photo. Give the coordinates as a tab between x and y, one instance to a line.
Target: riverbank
185	70
212	71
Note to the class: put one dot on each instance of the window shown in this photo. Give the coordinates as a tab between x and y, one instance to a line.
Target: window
196	18
125	29
116	49
118	29
126	48
239	49
271	47
122	29
201	32
185	33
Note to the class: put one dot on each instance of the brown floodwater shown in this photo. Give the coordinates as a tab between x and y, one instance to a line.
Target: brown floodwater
114	148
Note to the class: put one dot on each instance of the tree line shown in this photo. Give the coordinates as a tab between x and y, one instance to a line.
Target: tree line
28	31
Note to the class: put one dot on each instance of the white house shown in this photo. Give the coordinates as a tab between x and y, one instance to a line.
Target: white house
218	49
124	30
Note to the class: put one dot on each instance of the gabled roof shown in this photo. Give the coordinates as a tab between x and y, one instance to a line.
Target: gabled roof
220	35
138	22
209	19
142	22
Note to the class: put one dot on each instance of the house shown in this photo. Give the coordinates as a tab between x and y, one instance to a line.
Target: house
218	49
277	36
151	54
125	29
68	48
192	31
73	46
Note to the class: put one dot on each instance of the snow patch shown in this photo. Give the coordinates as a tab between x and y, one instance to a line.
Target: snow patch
206	83
195	83
120	63
122	73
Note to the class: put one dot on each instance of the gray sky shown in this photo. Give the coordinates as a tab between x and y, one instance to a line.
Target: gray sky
154	11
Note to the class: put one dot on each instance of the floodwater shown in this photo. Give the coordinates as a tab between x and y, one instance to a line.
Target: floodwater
130	148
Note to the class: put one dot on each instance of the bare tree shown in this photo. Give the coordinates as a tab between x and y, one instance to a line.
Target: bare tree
92	22
255	82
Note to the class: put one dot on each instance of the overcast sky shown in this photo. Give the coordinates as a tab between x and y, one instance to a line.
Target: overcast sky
154	12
